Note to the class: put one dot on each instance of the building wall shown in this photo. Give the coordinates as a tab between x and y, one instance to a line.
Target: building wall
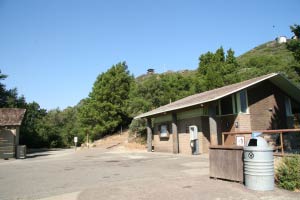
7	142
184	136
267	107
166	144
228	122
162	144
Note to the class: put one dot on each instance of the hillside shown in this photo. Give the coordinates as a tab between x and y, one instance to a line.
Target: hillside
269	49
267	58
120	142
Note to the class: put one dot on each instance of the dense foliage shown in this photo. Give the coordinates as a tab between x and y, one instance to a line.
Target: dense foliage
288	173
117	97
218	69
104	111
294	45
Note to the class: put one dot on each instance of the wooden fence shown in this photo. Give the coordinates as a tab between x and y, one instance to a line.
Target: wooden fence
229	138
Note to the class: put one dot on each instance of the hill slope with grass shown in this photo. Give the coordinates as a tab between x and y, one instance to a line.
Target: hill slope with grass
267	58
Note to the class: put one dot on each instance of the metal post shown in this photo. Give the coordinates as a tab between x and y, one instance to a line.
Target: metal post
87	139
281	143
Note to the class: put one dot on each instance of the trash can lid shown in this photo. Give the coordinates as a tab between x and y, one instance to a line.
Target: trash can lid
257	142
256	134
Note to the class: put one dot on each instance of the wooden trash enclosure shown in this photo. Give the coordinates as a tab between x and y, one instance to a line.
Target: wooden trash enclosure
226	162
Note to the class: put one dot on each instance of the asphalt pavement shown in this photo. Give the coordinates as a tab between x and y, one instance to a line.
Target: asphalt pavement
116	174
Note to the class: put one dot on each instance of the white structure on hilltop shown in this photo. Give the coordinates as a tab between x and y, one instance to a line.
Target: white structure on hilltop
281	39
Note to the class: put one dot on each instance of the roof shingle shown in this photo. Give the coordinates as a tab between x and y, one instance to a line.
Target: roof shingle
11	116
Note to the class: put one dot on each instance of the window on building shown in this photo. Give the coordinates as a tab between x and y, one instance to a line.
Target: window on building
233	104
226	105
164	130
243	101
288	107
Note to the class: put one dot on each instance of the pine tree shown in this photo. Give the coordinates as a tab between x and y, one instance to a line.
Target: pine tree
217	69
105	108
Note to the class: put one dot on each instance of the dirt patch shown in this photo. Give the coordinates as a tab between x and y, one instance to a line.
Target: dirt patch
119	142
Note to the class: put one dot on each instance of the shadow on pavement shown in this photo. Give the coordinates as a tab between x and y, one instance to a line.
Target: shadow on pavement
36	155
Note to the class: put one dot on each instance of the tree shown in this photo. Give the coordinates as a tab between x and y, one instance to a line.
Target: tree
49	129
294	45
104	111
29	134
217	69
2	90
157	90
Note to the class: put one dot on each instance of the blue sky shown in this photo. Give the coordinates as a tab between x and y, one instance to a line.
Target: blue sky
53	50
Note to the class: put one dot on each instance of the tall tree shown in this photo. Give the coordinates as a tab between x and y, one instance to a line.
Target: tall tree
218	69
105	109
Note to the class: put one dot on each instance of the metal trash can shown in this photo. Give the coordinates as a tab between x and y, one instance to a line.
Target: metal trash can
258	165
21	151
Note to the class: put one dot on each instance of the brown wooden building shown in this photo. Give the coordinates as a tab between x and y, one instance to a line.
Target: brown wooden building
266	102
10	122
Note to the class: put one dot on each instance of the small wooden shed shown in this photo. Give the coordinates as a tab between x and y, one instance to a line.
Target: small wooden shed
10	122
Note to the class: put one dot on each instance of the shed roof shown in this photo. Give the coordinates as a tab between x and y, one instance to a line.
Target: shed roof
215	94
11	116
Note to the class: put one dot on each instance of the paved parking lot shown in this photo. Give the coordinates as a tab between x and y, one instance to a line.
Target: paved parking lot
102	174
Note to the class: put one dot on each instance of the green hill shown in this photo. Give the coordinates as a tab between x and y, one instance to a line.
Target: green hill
263	59
270	49
267	58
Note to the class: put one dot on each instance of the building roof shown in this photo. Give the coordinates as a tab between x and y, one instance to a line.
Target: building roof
216	94
11	116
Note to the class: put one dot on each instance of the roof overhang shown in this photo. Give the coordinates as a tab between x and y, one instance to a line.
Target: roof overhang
287	86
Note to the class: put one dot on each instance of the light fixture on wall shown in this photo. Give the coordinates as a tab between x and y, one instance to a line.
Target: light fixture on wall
236	124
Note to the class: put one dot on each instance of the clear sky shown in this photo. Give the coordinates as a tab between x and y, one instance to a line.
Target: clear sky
53	50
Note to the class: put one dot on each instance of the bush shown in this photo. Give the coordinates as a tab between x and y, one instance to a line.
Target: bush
137	129
288	173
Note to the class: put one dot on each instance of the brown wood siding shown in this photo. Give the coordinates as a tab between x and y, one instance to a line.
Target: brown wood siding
226	163
266	107
7	143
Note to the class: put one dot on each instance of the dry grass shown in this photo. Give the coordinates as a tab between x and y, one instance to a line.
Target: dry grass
120	141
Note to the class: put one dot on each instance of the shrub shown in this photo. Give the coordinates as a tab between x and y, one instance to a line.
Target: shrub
288	173
137	129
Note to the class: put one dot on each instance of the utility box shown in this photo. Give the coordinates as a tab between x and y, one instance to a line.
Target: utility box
194	142
258	165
